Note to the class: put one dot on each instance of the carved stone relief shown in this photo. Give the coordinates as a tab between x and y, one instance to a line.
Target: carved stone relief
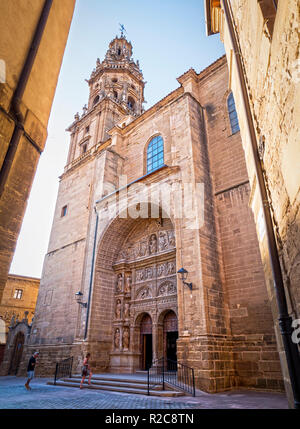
144	293
145	279
166	288
148	245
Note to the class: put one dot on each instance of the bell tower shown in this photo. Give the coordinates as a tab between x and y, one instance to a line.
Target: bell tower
116	94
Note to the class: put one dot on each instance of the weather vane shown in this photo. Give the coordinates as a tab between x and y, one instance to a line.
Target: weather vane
122	29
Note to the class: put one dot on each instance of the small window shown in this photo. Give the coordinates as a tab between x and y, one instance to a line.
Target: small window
84	148
115	95
64	211
234	122
130	103
114	80
87	129
18	294
155	154
96	99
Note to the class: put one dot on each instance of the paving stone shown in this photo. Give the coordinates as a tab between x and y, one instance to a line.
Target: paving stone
13	395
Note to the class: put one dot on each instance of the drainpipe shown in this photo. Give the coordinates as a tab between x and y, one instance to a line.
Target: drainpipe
15	109
91	276
285	321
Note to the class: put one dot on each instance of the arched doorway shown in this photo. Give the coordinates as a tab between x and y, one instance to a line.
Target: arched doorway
146	342
17	354
170	333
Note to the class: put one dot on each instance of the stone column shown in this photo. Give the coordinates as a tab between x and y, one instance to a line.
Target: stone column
154	342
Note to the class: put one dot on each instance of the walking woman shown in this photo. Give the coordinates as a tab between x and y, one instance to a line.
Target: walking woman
86	370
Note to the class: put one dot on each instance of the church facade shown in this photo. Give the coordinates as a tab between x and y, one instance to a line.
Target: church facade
144	194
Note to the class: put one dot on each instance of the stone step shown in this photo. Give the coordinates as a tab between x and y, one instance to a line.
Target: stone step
162	393
112	382
97	377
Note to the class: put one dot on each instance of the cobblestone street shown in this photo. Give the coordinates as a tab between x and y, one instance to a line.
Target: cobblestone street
13	395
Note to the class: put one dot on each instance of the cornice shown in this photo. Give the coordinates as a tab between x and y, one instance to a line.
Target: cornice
20	277
153	177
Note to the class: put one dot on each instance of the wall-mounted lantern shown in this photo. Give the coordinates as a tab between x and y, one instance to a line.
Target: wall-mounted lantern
183	276
78	297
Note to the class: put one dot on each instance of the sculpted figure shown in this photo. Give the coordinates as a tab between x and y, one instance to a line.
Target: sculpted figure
126	310
160	270
170	268
117	339
143	248
152	244
126	339
163	241
119	283
128	284
118	309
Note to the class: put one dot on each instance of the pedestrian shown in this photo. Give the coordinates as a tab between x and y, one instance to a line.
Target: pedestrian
30	369
86	370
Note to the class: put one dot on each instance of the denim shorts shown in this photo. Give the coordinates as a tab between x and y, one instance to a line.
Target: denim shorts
30	374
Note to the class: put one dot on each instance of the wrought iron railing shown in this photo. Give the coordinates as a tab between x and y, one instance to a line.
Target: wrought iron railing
156	374
63	369
174	373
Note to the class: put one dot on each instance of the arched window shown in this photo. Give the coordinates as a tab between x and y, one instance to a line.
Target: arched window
234	122
130	103
96	99
155	154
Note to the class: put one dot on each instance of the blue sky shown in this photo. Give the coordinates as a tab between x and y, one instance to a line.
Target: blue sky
168	37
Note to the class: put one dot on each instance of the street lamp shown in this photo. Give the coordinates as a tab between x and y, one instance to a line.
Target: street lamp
78	297
183	276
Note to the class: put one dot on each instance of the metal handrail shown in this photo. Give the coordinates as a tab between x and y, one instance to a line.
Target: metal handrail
156	374
63	369
175	373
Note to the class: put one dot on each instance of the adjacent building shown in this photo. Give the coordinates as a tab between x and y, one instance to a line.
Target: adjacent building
32	43
261	40
17	304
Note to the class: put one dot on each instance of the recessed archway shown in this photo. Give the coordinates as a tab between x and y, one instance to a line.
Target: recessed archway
135	272
146	348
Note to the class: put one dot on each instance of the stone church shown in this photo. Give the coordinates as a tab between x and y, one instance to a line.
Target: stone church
145	193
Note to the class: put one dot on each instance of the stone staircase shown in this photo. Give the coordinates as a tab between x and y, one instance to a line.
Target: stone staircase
121	383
